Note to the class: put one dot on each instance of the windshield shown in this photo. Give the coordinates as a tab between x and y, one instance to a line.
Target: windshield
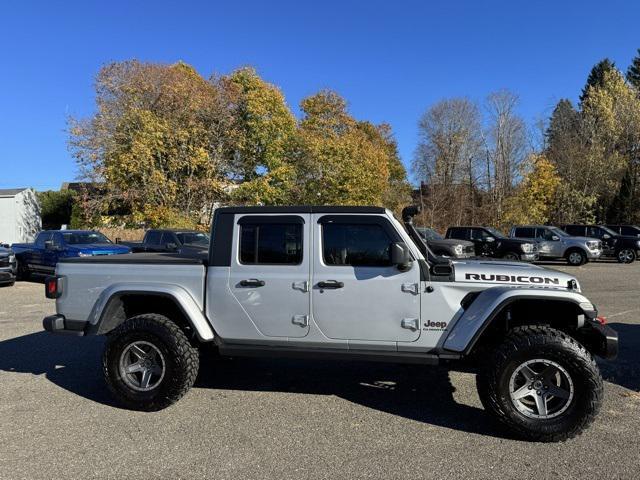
84	238
558	232
429	233
494	232
193	238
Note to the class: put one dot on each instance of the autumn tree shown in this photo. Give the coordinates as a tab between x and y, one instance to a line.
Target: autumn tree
157	142
264	131
533	200
596	76
339	160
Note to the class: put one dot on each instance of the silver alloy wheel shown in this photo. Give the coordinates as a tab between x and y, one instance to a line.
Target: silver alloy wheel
142	366
541	389
626	255
575	258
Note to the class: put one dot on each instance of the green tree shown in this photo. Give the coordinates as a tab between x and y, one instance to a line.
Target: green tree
56	208
596	76
633	72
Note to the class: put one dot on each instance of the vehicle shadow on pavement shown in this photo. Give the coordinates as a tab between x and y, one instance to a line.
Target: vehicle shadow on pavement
72	363
420	393
625	370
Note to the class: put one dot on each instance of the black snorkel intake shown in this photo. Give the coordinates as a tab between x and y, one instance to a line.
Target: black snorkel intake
439	265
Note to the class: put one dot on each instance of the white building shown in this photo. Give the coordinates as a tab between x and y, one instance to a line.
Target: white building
19	215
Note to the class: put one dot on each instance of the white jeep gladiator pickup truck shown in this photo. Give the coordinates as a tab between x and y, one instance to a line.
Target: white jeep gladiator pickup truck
340	282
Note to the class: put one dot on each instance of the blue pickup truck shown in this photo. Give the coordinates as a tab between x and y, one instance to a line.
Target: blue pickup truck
42	256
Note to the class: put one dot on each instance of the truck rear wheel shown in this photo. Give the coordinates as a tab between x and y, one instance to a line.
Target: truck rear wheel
626	255
542	384
148	363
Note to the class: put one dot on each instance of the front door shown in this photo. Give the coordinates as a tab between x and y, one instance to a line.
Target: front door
269	274
484	242
357	294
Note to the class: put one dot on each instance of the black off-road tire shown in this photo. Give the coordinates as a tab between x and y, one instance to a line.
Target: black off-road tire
22	272
541	342
573	254
180	359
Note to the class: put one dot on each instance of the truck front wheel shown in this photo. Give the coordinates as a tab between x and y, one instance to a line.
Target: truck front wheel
542	384
149	363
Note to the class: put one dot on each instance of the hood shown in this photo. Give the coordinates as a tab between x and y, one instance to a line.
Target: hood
100	249
5	252
509	273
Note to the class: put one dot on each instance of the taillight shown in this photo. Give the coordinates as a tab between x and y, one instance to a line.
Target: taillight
53	287
601	320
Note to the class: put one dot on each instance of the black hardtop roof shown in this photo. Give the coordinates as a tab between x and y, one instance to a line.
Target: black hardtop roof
301	209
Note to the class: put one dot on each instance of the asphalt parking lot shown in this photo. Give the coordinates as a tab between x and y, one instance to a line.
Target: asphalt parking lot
254	418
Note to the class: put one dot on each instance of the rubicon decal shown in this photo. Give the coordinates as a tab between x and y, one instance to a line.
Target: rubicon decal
483	277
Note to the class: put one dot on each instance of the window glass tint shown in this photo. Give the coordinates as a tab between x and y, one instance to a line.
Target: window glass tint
271	243
41	238
596	232
458	233
84	238
525	232
545	234
575	230
358	245
153	238
168	237
479	234
630	231
193	238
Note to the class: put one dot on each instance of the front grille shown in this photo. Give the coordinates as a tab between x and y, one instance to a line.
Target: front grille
469	249
4	261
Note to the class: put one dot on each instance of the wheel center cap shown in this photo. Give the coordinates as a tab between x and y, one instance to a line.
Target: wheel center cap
537	384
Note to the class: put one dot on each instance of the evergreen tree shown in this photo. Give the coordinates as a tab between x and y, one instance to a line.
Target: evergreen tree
633	72
596	76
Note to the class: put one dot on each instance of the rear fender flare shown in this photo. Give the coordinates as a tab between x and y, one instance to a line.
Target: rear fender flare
492	301
183	300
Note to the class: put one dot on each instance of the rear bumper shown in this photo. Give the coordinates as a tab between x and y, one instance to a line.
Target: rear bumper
58	324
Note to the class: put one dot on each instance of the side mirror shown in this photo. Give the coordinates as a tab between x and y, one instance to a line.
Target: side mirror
400	256
490	239
172	246
48	245
606	236
555	238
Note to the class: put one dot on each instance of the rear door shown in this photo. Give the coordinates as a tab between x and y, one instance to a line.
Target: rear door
357	294
270	272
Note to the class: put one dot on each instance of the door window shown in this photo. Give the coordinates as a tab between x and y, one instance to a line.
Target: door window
271	243
41	238
575	230
153	238
357	245
479	234
168	237
525	232
596	232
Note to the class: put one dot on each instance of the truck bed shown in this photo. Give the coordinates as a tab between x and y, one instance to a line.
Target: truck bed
141	258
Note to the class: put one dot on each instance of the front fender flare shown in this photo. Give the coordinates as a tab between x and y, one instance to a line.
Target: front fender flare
490	302
179	295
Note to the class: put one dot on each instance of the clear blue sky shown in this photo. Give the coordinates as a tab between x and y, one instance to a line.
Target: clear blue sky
390	59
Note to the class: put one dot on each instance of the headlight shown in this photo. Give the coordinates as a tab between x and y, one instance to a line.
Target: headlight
459	249
12	258
82	254
527	247
637	245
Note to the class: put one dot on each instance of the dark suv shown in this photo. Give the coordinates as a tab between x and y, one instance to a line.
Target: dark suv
489	242
624	248
628	230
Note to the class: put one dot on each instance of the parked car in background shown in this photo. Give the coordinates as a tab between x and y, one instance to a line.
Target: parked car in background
188	242
489	242
554	243
42	256
7	266
624	248
628	230
446	247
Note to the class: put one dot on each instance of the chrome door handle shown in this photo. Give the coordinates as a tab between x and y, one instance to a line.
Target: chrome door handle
330	284
252	282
